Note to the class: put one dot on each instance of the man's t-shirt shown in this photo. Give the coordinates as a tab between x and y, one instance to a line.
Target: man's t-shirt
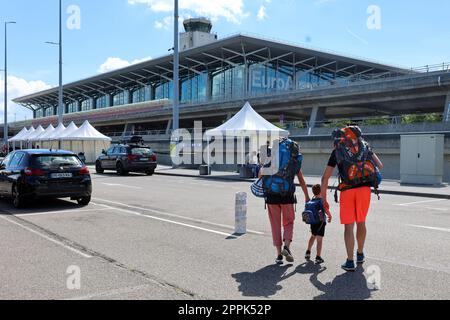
332	162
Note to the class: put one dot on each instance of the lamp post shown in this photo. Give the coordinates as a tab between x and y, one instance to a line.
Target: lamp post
176	76
60	89
5	128
60	92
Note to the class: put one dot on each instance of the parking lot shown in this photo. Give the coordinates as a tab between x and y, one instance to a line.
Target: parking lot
169	237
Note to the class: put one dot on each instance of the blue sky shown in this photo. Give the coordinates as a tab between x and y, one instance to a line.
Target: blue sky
117	32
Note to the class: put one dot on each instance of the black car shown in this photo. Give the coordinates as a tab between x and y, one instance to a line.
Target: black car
27	175
128	157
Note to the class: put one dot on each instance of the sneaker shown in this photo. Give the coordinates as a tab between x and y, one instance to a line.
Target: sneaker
349	265
308	255
287	254
319	260
360	258
279	259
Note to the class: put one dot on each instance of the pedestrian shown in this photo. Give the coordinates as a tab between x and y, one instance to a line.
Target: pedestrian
279	190
357	165
317	229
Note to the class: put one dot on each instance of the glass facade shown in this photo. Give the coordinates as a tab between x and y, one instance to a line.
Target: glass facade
86	105
102	102
220	83
39	113
228	83
142	94
72	107
164	91
49	112
194	89
120	98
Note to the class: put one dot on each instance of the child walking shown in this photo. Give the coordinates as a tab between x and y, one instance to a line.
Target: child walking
318	230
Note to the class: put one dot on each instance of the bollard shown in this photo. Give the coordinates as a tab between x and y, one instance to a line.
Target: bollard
241	213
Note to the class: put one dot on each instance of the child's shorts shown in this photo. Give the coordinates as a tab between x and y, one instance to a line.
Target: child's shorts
318	230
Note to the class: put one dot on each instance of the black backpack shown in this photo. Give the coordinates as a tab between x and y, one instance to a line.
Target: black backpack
355	160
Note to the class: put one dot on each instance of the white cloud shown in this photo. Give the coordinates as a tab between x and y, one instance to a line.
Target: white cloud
113	63
18	87
261	13
231	10
165	23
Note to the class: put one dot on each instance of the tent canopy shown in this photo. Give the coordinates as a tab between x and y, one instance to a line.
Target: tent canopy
34	134
59	130
18	137
43	135
71	128
86	133
246	122
26	135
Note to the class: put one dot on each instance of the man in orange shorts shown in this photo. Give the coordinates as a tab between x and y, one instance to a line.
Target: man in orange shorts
354	207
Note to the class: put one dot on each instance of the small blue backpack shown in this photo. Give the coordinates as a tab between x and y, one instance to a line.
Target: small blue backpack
290	162
313	213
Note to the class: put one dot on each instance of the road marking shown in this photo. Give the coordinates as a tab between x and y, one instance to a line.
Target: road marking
168	221
419	202
56	212
121	185
113	292
429	228
47	238
178	216
409	265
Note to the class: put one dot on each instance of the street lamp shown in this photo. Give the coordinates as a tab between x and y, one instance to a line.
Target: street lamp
176	58
60	91
5	128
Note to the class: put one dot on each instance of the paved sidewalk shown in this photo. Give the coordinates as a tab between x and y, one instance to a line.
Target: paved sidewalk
387	187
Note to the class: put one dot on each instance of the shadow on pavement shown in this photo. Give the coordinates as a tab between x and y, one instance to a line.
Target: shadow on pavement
262	283
40	206
347	286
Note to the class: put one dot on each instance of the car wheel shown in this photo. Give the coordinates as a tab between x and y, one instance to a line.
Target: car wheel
84	201
150	172
18	201
98	168
120	170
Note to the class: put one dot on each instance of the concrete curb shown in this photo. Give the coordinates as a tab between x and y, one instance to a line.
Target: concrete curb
381	191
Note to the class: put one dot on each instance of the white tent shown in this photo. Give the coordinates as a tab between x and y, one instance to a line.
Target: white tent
57	139
247	123
72	127
24	138
29	138
51	141
18	138
42	137
87	140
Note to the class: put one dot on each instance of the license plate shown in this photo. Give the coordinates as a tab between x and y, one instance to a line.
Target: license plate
145	159
61	175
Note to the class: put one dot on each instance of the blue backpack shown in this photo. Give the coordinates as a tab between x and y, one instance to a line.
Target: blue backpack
313	213
290	163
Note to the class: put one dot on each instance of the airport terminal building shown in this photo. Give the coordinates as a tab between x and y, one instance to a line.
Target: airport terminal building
299	87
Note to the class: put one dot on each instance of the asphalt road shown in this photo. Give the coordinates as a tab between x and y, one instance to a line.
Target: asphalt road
166	237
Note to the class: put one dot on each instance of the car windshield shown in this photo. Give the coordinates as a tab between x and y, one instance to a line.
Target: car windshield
56	161
142	151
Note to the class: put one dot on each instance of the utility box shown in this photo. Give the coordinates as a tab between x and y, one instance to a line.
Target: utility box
422	159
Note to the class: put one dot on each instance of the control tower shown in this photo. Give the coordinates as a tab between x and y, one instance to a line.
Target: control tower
197	33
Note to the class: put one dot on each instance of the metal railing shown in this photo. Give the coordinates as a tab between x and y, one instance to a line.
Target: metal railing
366	121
